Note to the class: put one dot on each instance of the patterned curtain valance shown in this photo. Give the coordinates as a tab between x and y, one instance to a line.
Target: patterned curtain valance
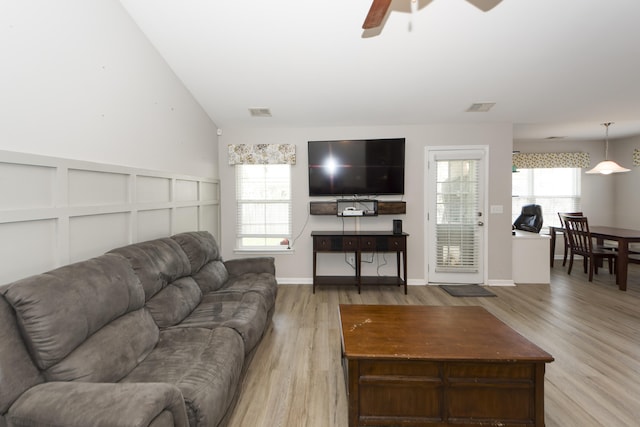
636	157
261	154
551	160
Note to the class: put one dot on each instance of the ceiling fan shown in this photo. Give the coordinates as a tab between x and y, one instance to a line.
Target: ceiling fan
379	9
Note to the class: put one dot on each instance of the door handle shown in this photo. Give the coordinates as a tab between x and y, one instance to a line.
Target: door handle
480	223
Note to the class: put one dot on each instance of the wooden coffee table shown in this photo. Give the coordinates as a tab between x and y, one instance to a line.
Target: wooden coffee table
437	366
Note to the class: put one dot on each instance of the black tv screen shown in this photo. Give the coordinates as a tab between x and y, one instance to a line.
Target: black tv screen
356	167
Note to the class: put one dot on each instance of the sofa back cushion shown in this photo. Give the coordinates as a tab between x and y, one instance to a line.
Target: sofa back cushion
60	310
200	248
156	262
111	353
164	270
175	302
17	371
212	276
203	253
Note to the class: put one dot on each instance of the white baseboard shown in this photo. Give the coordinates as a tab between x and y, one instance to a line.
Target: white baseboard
412	282
309	281
500	283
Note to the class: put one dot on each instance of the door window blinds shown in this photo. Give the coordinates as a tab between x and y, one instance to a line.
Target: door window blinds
457	199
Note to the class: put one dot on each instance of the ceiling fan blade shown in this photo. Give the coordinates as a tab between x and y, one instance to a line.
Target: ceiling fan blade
485	5
376	14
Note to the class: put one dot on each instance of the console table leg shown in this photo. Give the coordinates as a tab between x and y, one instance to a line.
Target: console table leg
314	271
359	270
404	270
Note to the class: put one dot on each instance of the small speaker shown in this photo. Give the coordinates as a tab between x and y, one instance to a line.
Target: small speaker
397	226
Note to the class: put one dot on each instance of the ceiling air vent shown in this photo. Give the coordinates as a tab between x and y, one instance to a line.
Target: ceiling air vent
480	107
260	112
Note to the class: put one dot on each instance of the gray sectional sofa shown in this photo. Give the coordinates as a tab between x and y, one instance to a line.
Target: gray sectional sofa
157	333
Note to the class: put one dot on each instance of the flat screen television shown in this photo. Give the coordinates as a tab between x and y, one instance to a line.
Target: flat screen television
352	167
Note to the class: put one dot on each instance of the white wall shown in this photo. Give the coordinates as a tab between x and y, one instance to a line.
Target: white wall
627	193
297	266
80	81
88	107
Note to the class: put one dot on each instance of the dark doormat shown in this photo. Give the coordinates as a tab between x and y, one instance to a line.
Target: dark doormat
467	291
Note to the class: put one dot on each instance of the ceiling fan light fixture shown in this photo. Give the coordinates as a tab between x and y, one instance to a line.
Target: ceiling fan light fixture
607	167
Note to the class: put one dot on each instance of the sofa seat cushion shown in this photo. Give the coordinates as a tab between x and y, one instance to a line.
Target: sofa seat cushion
205	364
262	283
246	313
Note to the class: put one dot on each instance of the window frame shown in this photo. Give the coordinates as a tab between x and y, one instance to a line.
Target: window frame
550	213
279	240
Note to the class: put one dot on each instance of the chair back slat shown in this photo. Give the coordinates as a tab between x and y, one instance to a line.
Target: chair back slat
561	214
581	243
578	232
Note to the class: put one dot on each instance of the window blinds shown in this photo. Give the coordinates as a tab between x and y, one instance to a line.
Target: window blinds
263	195
457	200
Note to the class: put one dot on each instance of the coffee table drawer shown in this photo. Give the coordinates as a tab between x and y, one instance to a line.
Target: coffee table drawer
390	392
404	368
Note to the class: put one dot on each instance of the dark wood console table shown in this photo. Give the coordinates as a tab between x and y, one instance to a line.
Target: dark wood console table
359	242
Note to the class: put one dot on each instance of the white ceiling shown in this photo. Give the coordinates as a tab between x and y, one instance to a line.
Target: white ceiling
553	67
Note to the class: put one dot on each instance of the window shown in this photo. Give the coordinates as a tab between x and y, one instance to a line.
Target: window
554	189
263	195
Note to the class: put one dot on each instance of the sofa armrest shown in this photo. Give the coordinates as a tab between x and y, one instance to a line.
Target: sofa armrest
238	266
78	404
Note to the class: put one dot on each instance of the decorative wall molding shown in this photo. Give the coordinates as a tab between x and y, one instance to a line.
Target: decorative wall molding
261	154
56	211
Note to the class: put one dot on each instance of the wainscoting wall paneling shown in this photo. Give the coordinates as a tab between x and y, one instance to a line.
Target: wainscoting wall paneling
56	211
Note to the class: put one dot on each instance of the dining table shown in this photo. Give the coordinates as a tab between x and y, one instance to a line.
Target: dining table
623	237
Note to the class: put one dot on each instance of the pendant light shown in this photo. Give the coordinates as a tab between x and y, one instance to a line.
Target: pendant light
607	166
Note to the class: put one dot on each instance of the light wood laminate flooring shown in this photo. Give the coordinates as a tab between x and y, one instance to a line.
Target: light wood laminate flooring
591	329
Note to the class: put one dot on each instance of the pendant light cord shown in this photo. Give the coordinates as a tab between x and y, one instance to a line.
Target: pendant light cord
606	140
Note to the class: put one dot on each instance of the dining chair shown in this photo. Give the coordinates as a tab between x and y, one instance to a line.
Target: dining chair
581	243
565	237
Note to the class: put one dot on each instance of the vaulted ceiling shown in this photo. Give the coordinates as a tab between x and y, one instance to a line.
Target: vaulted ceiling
553	68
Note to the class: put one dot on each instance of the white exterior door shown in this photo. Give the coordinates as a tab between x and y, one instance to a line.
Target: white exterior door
455	215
